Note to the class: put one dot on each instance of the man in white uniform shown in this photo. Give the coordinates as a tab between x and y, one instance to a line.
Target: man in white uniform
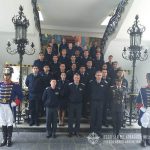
10	96
143	103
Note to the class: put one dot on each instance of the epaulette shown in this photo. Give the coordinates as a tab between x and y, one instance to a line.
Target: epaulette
90	81
123	86
47	88
82	84
71	83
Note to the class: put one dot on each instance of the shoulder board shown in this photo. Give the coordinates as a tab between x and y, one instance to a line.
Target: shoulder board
90	81
123	86
70	83
82	84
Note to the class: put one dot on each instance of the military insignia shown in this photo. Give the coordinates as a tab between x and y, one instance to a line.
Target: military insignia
4	100
80	89
56	93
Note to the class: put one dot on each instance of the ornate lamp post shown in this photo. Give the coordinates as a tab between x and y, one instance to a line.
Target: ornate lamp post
21	23
134	53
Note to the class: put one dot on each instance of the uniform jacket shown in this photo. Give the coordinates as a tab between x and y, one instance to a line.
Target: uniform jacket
10	91
35	86
96	91
76	93
50	97
118	98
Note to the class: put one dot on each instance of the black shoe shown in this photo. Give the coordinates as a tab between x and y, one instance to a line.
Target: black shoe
106	125
54	135
37	124
31	123
3	143
9	135
77	134
70	135
113	136
49	136
4	132
119	137
9	143
148	141
143	143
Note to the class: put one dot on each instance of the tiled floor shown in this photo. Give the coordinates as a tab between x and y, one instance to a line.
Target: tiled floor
38	141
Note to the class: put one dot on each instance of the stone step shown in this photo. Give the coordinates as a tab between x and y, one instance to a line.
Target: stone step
84	127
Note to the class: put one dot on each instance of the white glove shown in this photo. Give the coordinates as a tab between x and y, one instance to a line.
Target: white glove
13	104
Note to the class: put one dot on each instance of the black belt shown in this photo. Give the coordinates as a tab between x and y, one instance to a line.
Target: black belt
4	101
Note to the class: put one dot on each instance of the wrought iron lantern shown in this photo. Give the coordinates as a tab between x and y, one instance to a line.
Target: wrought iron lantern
133	53
21	24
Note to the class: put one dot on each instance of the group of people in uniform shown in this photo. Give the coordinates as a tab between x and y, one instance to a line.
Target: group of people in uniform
104	87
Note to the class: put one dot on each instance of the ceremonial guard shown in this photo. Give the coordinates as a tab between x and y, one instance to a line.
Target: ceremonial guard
143	104
118	94
10	96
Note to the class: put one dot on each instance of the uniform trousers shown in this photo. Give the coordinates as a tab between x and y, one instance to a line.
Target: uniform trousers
117	117
96	116
74	112
6	115
51	120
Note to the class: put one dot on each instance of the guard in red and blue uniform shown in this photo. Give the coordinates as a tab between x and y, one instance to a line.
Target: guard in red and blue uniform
10	96
143	101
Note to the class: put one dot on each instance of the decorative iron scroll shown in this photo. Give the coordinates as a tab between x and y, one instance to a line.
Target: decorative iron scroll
113	22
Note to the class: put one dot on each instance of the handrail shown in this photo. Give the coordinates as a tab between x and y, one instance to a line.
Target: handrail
37	19
113	22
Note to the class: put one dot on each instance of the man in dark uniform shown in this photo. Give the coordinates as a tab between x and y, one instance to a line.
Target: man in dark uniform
71	72
40	62
76	92
63	45
143	102
55	65
85	57
35	86
107	82
113	71
46	75
118	94
48	54
62	69
63	59
50	99
90	69
97	96
9	91
98	61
